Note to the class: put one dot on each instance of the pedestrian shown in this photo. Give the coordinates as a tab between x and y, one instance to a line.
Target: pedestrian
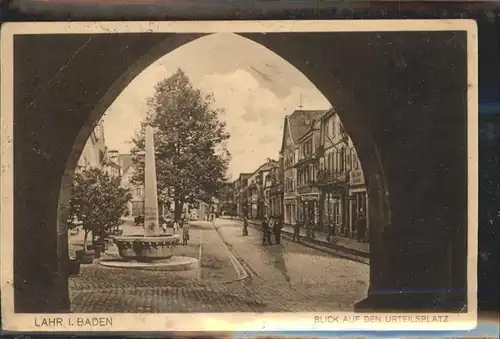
245	226
277	230
331	231
266	239
361	227
185	231
296	232
176	226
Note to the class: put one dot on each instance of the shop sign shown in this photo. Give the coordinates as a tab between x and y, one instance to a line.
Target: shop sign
356	177
309	197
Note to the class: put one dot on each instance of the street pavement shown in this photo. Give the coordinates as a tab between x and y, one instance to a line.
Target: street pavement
320	275
286	278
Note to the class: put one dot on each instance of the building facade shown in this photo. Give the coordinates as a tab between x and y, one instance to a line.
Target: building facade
256	191
275	179
340	178
332	178
318	179
226	199
112	165
296	124
241	196
136	205
94	152
307	172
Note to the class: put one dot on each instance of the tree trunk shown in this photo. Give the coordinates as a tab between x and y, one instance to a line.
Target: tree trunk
85	239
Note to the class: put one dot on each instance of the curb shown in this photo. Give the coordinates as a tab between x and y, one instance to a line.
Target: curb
240	270
337	250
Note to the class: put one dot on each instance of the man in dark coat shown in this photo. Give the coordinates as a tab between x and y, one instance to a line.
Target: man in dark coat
245	226
277	230
296	232
361	227
266	234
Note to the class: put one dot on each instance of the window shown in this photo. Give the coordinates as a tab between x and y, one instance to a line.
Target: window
342	160
336	161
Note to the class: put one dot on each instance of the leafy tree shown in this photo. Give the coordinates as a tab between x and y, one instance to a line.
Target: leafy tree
190	142
97	201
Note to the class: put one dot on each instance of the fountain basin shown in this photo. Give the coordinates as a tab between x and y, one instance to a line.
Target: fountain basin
146	248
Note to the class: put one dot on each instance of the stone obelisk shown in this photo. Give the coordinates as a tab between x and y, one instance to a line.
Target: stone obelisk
151	220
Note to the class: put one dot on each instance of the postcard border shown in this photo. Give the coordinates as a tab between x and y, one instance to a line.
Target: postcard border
230	321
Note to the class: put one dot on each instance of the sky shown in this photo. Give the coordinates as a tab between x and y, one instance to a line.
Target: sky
256	87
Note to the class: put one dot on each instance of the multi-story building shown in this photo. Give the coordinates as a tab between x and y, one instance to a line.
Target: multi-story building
236	196
240	192
253	196
112	165
94	152
270	172
340	177
256	190
358	194
275	184
307	168
136	204
226	199
295	125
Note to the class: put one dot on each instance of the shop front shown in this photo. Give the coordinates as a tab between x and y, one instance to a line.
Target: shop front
310	209
358	204
334	194
290	206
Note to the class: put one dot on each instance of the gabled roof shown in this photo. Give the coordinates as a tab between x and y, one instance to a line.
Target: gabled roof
267	166
314	126
299	123
328	113
301	120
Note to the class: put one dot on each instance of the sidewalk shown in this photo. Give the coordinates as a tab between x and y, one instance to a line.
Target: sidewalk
340	243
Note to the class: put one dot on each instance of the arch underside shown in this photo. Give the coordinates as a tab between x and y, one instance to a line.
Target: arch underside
401	97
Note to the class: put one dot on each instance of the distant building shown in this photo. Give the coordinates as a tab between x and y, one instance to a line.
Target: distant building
136	205
94	153
240	187
256	190
275	184
112	165
226	199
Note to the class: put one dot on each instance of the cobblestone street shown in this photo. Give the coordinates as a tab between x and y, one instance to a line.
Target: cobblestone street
290	277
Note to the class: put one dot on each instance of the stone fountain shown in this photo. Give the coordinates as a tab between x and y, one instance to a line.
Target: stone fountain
153	248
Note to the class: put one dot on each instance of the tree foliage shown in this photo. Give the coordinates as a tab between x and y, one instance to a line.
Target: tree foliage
97	201
191	156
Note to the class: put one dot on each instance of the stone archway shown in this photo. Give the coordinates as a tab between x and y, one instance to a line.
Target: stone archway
389	94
